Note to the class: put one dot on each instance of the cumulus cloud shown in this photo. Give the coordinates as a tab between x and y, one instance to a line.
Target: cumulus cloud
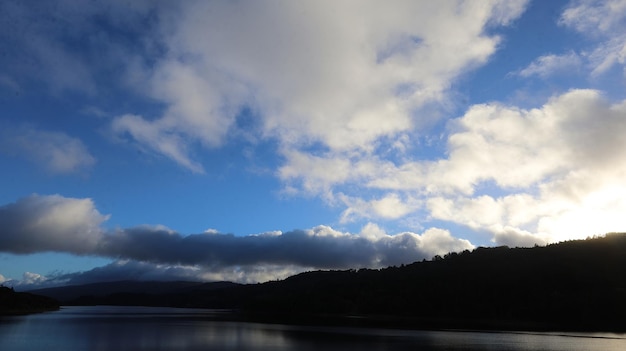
56	152
517	148
558	169
338	75
50	223
390	206
54	223
339	86
522	176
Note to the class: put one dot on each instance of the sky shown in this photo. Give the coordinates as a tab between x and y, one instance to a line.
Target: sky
252	140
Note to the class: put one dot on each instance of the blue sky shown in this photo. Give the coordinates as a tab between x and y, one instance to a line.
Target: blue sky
249	141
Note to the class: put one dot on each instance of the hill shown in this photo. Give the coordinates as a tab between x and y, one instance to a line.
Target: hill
574	285
12	302
138	293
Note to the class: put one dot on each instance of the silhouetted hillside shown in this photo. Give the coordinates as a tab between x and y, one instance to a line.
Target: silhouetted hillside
575	285
12	302
571	285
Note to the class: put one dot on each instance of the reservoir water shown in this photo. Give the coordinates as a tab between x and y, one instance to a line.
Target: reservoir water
104	328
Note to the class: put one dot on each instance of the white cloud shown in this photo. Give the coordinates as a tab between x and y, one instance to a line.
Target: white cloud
55	151
505	12
594	17
253	274
441	241
518	148
605	20
29	281
595	208
29	278
522	175
558	167
514	237
608	54
547	65
338	75
390	206
316	173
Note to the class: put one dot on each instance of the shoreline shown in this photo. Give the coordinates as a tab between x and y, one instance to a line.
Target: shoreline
385	321
13	303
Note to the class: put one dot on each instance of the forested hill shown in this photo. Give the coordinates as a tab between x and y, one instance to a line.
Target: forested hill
12	302
574	285
571	285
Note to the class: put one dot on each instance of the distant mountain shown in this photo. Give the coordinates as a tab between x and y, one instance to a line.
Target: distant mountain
574	285
128	292
12	302
72	292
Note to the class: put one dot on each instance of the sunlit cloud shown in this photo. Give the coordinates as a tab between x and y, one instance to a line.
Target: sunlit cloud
558	167
312	85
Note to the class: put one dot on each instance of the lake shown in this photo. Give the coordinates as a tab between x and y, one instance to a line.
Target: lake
103	328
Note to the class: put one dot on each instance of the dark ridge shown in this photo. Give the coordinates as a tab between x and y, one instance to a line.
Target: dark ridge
138	293
575	285
71	292
570	286
16	303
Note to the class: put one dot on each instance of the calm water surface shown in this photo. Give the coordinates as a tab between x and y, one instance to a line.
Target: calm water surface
104	328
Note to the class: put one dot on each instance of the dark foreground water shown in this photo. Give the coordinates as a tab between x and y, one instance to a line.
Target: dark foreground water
104	328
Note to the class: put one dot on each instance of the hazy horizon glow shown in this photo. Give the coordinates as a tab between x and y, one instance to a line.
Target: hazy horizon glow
252	140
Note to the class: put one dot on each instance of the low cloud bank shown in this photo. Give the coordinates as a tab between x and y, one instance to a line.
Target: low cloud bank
320	247
58	224
120	270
